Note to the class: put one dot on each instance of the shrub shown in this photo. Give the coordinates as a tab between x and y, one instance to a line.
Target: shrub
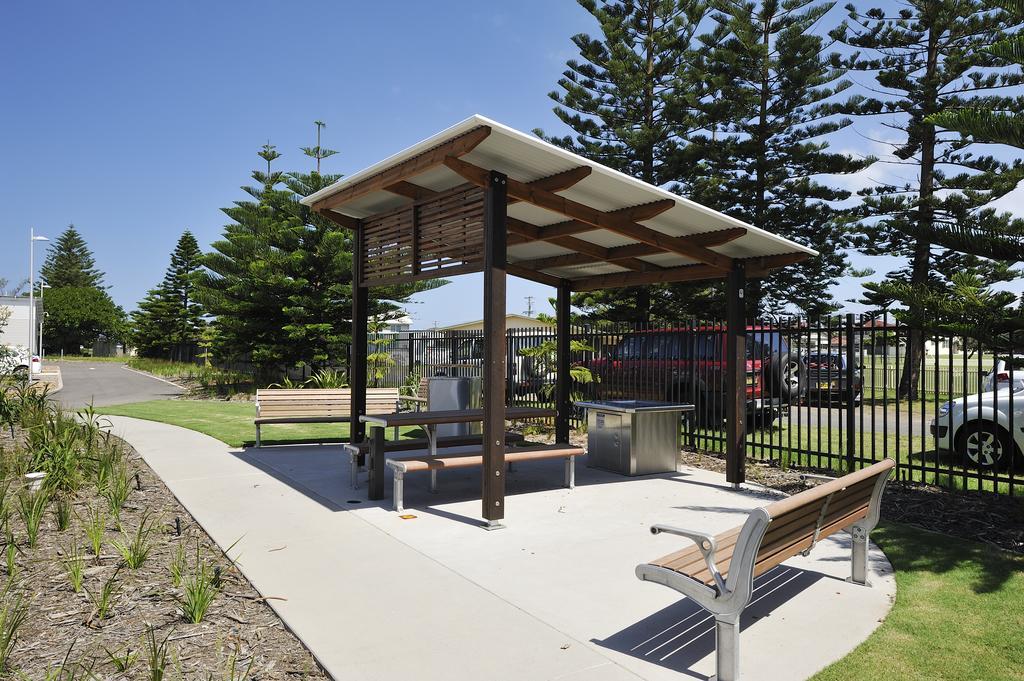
31	507
13	613
135	549
74	565
199	588
118	488
103	599
95	524
157	654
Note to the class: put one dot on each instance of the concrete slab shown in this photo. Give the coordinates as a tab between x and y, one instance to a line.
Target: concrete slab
552	596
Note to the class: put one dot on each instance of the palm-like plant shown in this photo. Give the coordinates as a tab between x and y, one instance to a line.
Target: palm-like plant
986	125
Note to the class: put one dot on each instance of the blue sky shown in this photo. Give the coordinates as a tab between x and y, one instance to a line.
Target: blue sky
136	120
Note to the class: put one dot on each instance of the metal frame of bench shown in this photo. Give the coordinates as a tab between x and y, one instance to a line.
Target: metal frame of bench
379	400
359	450
727	596
399	466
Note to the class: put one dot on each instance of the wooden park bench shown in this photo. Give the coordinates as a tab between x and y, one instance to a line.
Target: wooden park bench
358	451
323	405
410	464
718	572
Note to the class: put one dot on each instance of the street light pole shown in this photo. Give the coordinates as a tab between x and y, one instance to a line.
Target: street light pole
31	294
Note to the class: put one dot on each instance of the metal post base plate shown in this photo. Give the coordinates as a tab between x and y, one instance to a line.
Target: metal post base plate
493	525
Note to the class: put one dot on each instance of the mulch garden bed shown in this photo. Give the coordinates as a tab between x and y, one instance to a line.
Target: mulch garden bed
992	518
996	519
240	637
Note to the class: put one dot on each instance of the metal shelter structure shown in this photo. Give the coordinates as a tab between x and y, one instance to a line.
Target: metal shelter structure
483	197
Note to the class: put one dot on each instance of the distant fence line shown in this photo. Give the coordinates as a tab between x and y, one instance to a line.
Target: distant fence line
848	415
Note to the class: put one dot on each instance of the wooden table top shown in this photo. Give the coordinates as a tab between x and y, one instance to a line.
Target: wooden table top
424	418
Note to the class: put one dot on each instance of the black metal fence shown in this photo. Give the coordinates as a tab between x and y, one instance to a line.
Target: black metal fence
837	393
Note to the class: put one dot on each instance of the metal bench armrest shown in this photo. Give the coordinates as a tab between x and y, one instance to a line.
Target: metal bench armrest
706	544
812	476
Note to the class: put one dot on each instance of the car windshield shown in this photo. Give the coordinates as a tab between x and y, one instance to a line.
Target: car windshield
763	344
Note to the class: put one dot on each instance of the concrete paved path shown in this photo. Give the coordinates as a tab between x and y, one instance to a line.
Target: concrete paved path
553	596
106	383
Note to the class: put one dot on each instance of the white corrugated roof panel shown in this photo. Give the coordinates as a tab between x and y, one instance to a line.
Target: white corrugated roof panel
524	157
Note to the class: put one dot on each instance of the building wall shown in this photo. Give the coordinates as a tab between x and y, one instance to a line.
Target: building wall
16	330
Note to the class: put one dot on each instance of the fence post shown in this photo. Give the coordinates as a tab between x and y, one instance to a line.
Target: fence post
851	413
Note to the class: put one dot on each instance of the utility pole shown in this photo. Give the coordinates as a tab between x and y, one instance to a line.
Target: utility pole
529	306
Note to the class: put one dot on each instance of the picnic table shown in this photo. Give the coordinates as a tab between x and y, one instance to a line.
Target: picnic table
428	421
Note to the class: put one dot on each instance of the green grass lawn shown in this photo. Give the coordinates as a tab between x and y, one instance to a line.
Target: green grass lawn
230	422
959	613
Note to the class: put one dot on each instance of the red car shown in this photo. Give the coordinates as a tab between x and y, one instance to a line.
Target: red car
688	365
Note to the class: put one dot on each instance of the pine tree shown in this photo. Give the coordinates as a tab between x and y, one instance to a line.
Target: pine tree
1004	126
279	282
318	152
244	285
169	321
767	144
70	263
630	102
928	57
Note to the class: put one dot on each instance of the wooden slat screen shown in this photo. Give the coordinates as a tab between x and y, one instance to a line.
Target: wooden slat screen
439	236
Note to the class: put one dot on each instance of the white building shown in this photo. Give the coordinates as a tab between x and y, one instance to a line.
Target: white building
16	332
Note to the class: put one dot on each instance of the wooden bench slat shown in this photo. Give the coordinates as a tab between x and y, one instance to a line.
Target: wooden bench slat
421	462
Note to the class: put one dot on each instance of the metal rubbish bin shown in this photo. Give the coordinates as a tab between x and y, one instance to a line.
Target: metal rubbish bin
454	392
633	437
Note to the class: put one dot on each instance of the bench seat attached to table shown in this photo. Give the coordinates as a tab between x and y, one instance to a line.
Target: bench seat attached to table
718	572
359	451
472	459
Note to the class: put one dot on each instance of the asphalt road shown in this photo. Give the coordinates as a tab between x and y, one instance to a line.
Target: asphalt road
105	383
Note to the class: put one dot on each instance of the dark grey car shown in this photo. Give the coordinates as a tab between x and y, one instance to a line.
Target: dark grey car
827	379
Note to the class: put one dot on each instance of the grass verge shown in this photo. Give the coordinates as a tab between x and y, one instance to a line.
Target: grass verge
231	422
959	613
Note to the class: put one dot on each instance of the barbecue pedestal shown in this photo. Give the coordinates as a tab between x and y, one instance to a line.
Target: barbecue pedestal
634	437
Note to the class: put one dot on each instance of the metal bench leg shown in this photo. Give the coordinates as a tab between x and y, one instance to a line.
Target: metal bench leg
727	647
570	472
398	491
354	466
859	555
257	435
433	482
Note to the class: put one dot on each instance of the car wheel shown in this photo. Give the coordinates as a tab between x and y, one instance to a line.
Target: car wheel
788	377
984	445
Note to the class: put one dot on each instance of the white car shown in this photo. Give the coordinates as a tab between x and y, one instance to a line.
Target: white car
986	429
13	359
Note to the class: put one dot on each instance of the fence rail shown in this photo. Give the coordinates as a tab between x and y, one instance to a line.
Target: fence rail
821	393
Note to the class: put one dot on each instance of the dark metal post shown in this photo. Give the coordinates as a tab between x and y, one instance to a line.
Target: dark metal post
494	362
357	365
563	330
850	395
736	376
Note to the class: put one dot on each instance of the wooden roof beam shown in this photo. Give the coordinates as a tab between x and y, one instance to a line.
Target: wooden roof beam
599	253
644	211
759	267
340	220
665	276
410	190
592	216
453	148
717	238
533	275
